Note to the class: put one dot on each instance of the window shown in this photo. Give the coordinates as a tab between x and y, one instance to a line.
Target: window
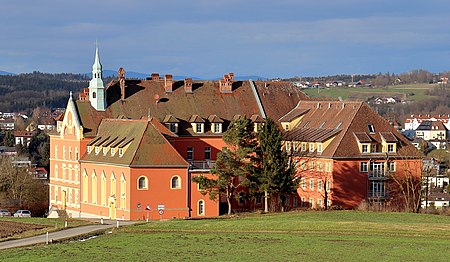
303	201
286	127
258	199
198	128
303	165
391	166
113	185
85	186
311	147
142	182
328	186
94	188
319	148
319	166
64	169
89	149
70	153
207	153
311	165
303	146
105	150
319	185
311	184
76	153
94	95
390	148
56	171
365	148
173	127
363	167
201	208
295	147
327	167
113	151
311	202
319	203
328	203
303	183
288	147
64	152
295	201
123	192
217	128
190	153
120	152
97	150
175	182
103	194
371	128
56	151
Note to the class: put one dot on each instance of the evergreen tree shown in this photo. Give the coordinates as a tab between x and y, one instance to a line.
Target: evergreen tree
8	139
278	171
233	166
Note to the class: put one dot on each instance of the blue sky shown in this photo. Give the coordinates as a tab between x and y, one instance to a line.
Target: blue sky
207	38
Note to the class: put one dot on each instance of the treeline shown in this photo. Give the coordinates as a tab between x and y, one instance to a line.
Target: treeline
24	92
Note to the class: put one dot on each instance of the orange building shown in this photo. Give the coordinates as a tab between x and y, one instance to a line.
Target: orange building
347	154
129	150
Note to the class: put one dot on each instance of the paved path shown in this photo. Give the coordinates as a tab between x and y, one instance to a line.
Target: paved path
59	235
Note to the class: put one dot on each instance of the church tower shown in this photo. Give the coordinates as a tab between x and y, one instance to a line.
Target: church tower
97	94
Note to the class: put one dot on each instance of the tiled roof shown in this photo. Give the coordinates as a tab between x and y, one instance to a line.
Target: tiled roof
311	134
431	125
257	118
170	119
214	119
352	119
205	100
145	145
388	137
293	114
196	119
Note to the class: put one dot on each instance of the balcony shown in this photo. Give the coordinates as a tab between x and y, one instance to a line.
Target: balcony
201	165
377	194
378	175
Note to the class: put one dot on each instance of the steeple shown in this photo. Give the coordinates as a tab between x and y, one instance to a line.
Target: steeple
97	94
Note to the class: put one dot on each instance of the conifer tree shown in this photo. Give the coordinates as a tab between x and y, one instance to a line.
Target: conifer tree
277	170
233	166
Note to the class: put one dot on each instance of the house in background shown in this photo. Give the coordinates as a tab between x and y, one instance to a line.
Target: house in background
23	137
433	132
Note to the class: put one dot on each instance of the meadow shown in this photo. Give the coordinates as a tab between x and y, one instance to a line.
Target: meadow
412	92
293	236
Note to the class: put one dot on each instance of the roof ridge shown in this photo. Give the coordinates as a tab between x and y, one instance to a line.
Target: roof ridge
140	142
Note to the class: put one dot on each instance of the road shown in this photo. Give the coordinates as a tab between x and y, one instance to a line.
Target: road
60	235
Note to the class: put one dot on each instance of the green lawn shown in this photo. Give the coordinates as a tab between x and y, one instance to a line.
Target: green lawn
296	236
413	92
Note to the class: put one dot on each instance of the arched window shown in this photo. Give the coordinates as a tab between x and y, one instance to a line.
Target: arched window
94	188
85	188
103	193
175	182
56	171
94	95
123	192
142	182
113	185
201	207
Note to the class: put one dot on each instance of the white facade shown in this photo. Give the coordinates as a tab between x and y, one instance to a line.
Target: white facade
97	94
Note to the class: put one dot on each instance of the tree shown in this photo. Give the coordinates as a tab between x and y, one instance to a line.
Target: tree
39	149
8	139
234	163
15	181
278	170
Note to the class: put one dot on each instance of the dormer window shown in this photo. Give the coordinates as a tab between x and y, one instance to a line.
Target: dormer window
105	150
97	149
198	128
365	148
303	146
89	149
113	151
217	128
311	147
319	148
173	127
120	152
391	148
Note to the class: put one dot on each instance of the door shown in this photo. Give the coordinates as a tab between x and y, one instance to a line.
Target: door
112	210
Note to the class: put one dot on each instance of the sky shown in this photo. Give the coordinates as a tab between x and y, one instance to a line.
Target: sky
209	38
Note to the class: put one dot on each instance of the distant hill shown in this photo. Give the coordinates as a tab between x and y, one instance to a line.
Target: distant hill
137	75
4	73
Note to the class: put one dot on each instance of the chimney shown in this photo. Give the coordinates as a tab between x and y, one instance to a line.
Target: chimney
155	76
188	85
168	81
226	84
121	76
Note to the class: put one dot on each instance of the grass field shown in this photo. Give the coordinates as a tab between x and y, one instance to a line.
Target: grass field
413	92
296	236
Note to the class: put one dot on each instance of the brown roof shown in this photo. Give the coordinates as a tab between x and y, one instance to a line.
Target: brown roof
214	119
144	143
352	120
293	114
170	119
311	134
388	137
277	99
